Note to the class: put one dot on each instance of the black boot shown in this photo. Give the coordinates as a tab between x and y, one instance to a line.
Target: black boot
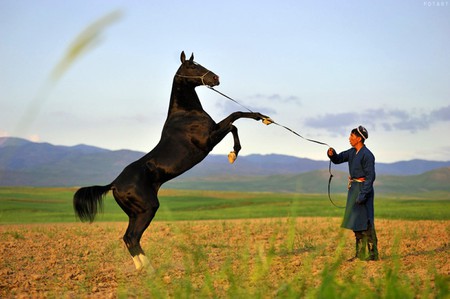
372	245
373	251
360	250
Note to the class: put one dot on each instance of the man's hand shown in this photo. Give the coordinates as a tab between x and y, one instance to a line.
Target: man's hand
330	152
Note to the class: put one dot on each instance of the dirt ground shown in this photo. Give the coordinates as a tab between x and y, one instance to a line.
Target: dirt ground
81	260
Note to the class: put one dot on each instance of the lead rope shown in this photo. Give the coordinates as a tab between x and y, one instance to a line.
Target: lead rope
269	121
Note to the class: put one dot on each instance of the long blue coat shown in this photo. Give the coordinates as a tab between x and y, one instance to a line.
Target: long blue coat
359	210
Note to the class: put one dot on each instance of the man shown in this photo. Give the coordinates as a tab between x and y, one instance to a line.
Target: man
359	210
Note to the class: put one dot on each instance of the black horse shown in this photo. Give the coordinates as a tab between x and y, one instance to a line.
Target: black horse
189	134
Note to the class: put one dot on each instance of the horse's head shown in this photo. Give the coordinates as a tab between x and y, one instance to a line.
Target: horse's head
194	74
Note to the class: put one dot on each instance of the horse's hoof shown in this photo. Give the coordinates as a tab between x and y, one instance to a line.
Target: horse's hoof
143	264
144	261
232	157
267	121
137	263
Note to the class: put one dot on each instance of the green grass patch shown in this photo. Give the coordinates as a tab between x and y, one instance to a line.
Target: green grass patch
40	205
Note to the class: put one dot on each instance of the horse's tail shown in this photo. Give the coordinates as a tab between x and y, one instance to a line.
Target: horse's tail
88	200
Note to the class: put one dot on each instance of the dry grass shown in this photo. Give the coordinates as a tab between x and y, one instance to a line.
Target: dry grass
302	257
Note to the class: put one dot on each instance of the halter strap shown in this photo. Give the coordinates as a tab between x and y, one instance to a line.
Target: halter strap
196	77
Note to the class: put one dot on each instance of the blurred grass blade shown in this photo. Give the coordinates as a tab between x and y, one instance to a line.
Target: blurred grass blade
84	41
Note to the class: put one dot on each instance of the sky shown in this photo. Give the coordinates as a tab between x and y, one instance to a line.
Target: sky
320	68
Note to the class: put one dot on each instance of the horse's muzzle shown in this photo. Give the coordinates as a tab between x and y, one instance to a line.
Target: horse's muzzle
210	79
215	81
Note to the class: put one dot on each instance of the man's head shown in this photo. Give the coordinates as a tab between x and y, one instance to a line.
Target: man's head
357	135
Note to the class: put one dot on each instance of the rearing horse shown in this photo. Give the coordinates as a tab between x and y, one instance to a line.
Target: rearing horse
189	134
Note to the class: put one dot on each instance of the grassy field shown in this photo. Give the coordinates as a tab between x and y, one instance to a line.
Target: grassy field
42	205
295	250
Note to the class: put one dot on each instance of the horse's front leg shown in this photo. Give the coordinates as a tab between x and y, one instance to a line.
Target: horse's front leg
226	126
237	115
237	145
222	129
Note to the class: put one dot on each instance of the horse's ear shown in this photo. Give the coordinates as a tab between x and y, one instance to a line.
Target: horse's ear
192	57
182	57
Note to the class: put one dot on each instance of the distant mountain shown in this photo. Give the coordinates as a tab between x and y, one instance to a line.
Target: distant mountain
317	182
26	163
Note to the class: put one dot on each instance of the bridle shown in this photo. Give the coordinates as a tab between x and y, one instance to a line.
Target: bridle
195	77
297	134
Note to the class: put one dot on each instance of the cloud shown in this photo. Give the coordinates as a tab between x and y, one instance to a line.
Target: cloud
441	114
230	107
330	120
277	98
388	119
265	104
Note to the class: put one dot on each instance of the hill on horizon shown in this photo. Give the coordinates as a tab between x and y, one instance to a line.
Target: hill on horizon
27	163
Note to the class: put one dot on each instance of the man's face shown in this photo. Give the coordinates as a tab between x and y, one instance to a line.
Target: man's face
354	140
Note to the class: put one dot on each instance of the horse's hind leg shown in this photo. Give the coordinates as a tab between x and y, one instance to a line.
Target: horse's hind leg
140	207
132	237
